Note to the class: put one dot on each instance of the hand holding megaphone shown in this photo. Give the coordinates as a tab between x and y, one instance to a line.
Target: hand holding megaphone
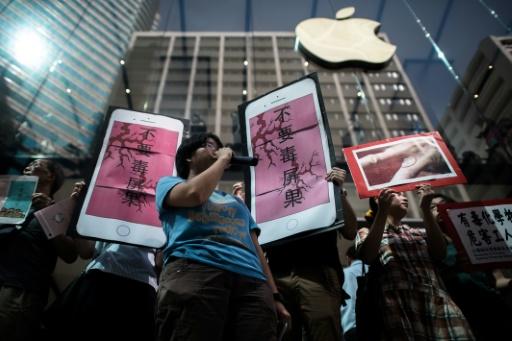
244	160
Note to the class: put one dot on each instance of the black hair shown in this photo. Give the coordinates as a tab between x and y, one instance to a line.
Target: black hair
188	148
56	170
446	198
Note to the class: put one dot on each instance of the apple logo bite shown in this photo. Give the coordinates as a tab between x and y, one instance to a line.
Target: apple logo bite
344	41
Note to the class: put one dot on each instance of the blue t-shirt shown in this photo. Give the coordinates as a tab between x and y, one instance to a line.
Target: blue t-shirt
216	233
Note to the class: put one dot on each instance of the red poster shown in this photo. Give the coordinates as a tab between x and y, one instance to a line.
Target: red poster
481	231
402	163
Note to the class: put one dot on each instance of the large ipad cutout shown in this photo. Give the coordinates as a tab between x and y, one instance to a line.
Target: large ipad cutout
287	131
138	149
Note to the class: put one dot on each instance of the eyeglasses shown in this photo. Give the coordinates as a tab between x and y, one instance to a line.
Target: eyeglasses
210	145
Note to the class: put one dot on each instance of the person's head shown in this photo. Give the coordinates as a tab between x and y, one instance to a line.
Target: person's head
196	153
49	172
397	209
438	199
399	204
238	190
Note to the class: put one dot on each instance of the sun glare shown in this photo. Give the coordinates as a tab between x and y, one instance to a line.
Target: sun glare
30	48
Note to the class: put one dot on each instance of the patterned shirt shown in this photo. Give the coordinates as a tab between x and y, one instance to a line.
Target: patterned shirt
404	256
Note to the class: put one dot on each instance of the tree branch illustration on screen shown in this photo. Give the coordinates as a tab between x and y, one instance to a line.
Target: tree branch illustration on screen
280	152
261	138
289	178
131	146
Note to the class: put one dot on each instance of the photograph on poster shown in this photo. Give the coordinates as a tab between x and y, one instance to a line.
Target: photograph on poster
402	162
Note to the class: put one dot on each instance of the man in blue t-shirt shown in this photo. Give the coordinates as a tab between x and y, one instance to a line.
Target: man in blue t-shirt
215	283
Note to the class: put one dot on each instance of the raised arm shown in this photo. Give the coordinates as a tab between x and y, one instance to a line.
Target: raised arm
84	247
436	241
369	249
196	190
337	176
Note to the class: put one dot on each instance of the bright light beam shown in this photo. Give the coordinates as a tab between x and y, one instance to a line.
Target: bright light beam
30	48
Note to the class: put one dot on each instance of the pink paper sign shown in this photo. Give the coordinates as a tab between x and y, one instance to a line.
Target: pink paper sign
124	205
136	158
144	138
290	175
125	168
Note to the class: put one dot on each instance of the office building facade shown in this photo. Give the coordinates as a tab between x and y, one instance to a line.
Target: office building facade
205	76
58	63
478	123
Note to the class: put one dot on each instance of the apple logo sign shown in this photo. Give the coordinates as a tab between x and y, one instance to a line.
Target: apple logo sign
345	41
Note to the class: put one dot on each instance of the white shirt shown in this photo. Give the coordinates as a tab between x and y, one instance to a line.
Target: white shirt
137	263
348	312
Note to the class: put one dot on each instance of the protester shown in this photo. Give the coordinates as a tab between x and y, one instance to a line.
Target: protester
28	259
309	275
413	302
348	311
474	292
94	306
216	284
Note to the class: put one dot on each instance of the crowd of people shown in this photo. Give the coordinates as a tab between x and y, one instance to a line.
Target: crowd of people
213	280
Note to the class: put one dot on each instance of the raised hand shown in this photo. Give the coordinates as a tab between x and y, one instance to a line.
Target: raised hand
224	153
426	195
385	199
78	188
337	176
41	200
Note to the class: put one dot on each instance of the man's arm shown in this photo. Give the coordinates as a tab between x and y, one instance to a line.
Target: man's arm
197	190
369	249
436	241
350	229
337	176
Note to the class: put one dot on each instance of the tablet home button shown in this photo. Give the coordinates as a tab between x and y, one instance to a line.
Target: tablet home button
123	230
292	224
